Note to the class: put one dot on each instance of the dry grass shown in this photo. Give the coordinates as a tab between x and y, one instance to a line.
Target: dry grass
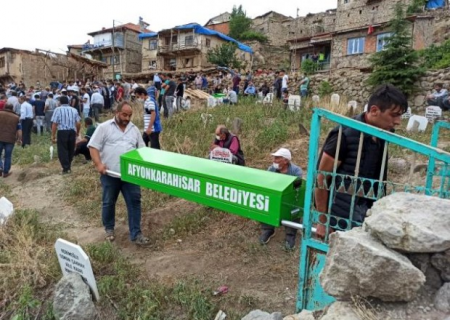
27	258
364	309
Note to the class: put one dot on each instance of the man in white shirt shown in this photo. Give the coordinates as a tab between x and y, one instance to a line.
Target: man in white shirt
284	81
97	104
110	140
86	102
26	120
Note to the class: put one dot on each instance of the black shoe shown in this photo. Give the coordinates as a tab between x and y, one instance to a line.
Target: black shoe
66	171
266	235
289	242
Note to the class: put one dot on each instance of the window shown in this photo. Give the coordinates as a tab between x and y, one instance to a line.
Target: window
2	62
346	1
153	44
208	43
174	39
382	40
115	60
355	45
189	40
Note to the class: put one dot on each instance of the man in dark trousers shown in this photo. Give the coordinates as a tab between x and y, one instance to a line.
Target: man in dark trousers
10	132
66	121
385	109
26	120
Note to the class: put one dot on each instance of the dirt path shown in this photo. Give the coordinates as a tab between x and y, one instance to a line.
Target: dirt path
224	252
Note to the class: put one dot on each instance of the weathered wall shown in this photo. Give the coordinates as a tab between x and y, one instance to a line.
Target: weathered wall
273	27
220	27
357	13
267	56
132	56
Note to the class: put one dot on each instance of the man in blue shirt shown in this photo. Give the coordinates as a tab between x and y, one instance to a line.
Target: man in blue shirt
152	123
251	90
438	96
66	121
282	164
39	113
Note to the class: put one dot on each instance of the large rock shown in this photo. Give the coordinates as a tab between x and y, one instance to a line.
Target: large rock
422	261
340	311
304	315
73	299
6	209
261	315
358	265
441	261
442	299
411	222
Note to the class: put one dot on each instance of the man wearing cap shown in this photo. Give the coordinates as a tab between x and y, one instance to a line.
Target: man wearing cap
282	164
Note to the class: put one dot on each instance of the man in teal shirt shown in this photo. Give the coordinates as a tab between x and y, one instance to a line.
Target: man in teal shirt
304	84
81	145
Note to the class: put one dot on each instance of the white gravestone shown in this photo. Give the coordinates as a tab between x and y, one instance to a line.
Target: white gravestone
73	259
335	100
221	155
422	123
6	209
407	114
294	102
432	113
352	105
315	98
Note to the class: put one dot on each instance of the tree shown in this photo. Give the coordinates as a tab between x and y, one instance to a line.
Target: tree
397	63
224	56
239	23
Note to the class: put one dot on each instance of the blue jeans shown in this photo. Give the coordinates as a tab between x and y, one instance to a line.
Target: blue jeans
132	195
303	92
8	153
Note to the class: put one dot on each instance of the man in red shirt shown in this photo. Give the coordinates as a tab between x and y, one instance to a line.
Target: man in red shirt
120	92
2	101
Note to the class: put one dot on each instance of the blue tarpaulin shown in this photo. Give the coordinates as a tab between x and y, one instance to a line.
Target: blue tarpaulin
434	4
148	35
202	30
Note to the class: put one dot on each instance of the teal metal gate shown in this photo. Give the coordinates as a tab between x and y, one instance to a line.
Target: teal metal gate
313	250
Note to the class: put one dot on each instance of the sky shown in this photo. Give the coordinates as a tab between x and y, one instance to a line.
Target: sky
52	25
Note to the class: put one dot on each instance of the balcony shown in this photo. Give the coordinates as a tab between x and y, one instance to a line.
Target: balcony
178	47
118	43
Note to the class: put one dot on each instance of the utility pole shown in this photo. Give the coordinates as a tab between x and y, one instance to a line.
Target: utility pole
114	54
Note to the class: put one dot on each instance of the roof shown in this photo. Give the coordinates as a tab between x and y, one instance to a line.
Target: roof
202	30
148	35
75	46
211	21
267	13
128	26
6	49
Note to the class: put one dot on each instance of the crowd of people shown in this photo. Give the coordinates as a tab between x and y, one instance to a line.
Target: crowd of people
61	108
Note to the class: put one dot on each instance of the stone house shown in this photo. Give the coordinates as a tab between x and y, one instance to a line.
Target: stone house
311	35
361	29
185	47
347	36
119	47
274	26
40	67
220	23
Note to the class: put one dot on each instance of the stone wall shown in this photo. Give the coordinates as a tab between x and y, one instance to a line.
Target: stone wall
267	56
356	13
351	85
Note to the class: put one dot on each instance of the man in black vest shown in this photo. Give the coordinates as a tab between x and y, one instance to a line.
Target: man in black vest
385	108
225	139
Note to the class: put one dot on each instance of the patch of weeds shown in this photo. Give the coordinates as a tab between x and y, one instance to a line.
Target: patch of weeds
137	297
248	301
190	223
38	151
29	263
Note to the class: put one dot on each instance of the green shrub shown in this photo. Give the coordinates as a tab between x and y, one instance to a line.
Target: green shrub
325	88
309	66
254	35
